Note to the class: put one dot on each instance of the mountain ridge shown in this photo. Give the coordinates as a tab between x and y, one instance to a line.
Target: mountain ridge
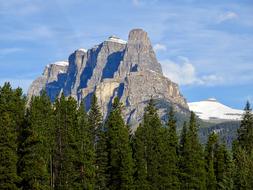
129	70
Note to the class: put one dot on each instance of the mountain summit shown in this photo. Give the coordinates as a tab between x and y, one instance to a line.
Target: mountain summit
113	68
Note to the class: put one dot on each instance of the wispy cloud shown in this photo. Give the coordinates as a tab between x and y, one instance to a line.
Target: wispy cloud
6	51
184	73
19	8
36	32
227	16
160	47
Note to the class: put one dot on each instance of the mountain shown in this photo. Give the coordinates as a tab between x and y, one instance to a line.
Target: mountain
213	111
127	69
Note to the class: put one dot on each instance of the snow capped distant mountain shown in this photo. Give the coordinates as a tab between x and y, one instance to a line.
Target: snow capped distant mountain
214	111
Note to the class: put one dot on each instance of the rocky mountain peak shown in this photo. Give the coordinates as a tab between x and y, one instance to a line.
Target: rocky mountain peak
138	36
113	68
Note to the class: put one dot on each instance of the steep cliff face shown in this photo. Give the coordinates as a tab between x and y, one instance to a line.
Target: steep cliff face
115	67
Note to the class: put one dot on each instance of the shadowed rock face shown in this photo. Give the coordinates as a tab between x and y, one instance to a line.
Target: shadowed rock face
113	68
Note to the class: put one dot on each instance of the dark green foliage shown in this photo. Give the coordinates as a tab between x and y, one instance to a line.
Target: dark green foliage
155	152
210	150
94	118
223	167
86	151
65	155
152	126
245	132
243	152
35	148
99	139
60	146
12	106
192	167
120	168
169	158
139	153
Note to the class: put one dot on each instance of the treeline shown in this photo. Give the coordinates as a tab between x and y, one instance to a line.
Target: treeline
60	146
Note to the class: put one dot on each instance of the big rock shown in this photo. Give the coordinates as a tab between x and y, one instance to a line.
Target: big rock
113	68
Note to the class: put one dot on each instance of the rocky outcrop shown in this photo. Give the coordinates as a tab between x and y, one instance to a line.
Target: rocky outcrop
113	68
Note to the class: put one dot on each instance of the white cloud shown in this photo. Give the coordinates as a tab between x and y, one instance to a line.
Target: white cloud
184	73
227	16
160	47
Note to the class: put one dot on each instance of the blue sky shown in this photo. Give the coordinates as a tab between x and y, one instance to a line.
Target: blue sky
205	46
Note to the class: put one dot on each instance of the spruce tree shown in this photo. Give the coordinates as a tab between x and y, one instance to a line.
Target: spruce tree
12	106
169	158
223	167
140	161
152	126
119	150
66	150
210	150
86	152
243	152
245	131
192	166
94	118
100	140
36	145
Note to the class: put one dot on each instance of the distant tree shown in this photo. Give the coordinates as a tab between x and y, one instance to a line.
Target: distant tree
119	151
12	108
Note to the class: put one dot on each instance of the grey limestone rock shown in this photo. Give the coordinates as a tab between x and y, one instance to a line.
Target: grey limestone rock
115	67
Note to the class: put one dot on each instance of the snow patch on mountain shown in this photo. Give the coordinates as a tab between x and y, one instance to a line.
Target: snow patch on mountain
82	49
212	110
61	63
116	39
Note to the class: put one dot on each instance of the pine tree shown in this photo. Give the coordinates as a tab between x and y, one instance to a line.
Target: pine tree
35	148
119	150
140	161
152	126
243	152
148	146
12	106
86	151
210	150
169	158
223	167
192	167
99	138
94	118
245	132
66	150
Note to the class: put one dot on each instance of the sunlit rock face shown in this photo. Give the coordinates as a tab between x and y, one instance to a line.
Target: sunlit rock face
127	69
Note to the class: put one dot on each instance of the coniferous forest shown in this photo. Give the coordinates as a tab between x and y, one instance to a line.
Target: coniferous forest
61	146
